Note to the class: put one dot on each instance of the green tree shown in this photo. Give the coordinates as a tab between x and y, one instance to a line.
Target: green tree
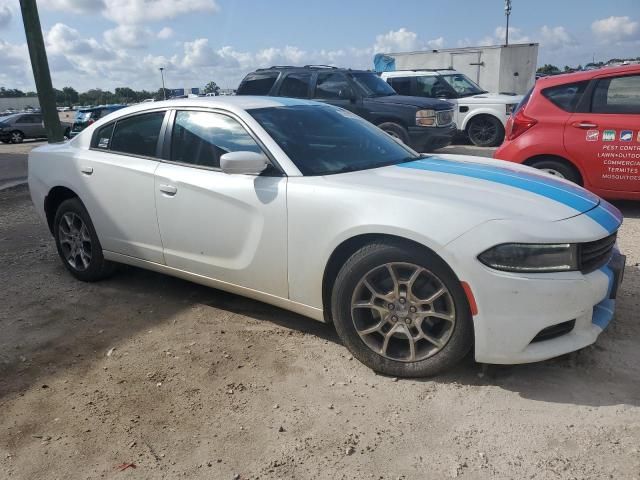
548	69
126	95
161	96
70	95
212	87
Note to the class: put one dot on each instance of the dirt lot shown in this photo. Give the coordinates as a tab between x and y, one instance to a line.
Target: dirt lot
186	381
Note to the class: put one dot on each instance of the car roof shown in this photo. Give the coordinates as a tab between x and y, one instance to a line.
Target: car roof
563	78
421	72
288	68
231	103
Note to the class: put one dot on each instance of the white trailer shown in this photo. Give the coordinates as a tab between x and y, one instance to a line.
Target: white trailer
499	68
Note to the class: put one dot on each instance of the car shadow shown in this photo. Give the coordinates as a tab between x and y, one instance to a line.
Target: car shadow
51	322
629	208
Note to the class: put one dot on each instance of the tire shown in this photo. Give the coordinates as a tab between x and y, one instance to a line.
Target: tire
5	141
558	168
485	131
73	229
393	356
395	130
17	136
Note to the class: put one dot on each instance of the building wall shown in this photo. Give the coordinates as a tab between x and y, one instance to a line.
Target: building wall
520	59
19	103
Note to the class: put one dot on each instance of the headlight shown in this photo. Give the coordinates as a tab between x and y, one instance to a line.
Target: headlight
531	257
426	118
510	107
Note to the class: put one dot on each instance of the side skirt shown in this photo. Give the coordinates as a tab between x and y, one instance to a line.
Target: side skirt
306	310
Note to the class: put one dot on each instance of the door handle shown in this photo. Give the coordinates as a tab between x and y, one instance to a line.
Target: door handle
86	170
168	190
584	125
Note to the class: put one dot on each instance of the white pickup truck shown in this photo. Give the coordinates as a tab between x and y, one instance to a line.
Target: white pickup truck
478	113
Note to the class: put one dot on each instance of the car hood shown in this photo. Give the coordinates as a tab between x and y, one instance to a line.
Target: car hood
419	102
489	189
484	98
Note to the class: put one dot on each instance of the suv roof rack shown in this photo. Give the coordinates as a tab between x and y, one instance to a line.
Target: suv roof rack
423	69
321	66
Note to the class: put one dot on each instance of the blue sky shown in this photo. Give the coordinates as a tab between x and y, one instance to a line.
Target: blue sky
109	43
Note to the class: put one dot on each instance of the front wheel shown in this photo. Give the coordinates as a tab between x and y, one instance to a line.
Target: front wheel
396	131
401	310
17	137
78	244
485	131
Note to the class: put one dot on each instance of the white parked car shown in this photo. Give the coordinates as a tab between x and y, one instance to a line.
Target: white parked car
481	115
416	259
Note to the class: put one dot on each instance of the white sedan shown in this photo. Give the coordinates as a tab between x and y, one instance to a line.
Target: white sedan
415	259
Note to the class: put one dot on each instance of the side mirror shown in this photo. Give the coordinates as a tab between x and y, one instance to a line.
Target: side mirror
243	163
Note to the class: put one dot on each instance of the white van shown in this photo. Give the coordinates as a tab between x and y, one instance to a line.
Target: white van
481	115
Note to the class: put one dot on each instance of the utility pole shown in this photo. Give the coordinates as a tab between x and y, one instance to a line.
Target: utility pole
164	90
40	67
507	12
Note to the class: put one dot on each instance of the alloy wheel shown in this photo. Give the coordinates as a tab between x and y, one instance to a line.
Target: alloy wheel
553	172
403	312
16	137
483	131
75	241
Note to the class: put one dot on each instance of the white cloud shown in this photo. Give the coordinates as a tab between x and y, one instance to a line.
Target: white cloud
556	37
6	14
404	40
616	29
165	33
64	40
125	12
16	70
128	36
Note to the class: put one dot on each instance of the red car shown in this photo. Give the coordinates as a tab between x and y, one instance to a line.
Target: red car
582	126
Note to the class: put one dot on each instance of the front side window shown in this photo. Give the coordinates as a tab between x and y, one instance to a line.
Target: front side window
462	85
402	85
201	138
433	87
332	86
138	135
296	85
323	140
258	83
566	96
619	95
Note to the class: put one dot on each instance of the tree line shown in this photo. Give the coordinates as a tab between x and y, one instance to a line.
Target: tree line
69	96
548	69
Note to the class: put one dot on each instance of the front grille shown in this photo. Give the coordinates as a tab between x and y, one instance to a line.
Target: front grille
444	117
594	255
554	331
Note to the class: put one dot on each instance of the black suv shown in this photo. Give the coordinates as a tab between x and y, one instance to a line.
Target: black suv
423	123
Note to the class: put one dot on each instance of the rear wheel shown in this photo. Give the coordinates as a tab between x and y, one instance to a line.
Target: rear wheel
17	136
78	244
558	169
401	310
485	131
396	131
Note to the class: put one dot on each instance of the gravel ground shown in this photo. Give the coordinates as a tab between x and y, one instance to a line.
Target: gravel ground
185	381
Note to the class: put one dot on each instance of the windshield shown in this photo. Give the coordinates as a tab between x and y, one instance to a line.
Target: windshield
372	84
82	116
322	140
462	85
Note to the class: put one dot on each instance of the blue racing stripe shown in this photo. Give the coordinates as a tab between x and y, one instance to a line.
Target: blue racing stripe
609	273
603	313
569	195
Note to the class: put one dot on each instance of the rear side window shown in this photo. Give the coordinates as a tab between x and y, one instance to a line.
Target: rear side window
617	95
295	85
258	83
402	85
138	135
200	138
566	96
102	138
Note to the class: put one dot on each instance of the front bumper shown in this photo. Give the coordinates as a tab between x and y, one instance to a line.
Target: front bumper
427	139
514	308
